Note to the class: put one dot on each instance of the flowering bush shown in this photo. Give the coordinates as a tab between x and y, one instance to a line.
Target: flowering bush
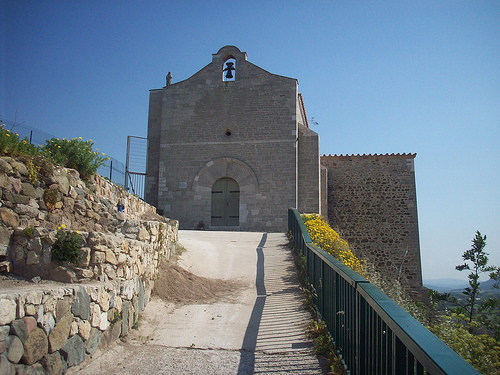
10	144
76	154
325	237
67	247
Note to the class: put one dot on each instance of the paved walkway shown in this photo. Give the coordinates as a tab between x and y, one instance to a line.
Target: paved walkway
258	330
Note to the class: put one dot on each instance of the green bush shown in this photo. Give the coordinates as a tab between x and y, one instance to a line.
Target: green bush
67	247
11	145
76	154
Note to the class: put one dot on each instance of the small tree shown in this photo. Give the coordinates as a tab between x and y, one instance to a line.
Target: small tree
476	260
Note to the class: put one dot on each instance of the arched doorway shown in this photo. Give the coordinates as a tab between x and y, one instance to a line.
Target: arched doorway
225	203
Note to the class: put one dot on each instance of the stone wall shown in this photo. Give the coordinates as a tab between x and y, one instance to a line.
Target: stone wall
48	326
372	203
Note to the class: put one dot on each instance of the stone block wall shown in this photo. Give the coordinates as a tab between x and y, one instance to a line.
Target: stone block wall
47	327
372	204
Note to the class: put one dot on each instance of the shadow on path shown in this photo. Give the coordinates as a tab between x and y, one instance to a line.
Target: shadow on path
247	360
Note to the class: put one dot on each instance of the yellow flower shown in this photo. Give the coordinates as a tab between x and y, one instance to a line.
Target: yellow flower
80	138
78	232
58	146
63	225
103	154
59	227
8	135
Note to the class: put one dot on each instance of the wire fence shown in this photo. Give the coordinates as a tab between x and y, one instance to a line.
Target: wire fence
113	168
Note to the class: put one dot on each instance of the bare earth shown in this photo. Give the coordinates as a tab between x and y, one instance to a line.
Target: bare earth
229	305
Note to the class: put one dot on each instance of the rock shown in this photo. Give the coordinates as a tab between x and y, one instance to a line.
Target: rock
95	320
6	368
93	341
110	257
59	335
36	369
143	234
18	327
62	307
85	253
34	297
35	347
74	351
3	347
111	334
98	257
61	180
30	323
81	305
104	301
32	258
125	316
9	217
74	329
7	311
25	209
63	274
36	279
5	167
4	332
53	364
35	244
28	190
16	349
20	167
104	324
5	234
49	323
84	329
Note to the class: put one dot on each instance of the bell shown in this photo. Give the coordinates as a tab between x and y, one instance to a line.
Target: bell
229	69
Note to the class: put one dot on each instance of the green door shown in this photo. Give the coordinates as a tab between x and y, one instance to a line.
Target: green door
225	203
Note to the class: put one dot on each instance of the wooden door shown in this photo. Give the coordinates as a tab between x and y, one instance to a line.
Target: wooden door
225	203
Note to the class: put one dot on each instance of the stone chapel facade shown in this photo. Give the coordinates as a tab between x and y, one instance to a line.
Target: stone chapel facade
230	148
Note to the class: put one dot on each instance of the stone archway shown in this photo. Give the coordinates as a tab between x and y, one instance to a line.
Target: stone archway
229	168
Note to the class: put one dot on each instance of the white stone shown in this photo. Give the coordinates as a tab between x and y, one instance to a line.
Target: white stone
49	323
104	301
32	258
20	308
39	315
104	321
95	314
7	311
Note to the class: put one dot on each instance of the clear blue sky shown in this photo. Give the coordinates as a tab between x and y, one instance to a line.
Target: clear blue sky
378	77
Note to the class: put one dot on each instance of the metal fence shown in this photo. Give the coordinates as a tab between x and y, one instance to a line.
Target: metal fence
112	169
371	333
135	170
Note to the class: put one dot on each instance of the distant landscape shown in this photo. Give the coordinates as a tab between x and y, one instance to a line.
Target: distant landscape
457	285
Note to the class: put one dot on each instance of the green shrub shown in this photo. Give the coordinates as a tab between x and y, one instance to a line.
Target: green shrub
76	154
11	145
67	247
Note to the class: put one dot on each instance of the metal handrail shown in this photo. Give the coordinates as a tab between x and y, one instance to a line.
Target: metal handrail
371	333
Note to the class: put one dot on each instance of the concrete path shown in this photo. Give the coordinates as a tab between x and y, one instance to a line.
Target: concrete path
260	329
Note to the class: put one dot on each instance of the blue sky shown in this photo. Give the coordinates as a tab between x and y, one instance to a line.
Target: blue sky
377	76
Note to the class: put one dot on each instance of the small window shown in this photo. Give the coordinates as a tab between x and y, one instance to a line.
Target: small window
229	70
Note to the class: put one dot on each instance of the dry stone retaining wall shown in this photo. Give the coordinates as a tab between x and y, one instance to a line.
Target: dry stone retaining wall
46	327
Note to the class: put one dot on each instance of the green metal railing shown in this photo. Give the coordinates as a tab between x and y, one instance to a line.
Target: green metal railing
371	333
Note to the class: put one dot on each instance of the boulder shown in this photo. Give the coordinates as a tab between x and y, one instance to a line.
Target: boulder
18	327
53	364
6	368
81	305
74	351
16	349
93	341
9	217
35	347
59	334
